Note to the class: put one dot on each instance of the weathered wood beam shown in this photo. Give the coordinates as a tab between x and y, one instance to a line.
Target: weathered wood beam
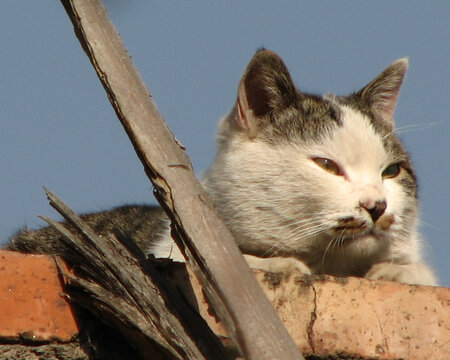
204	239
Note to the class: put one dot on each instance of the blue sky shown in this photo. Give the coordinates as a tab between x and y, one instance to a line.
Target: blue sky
57	128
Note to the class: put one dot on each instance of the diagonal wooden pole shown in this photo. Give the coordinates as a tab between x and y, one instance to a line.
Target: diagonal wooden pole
204	239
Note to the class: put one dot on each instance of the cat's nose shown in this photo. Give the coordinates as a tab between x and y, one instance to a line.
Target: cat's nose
375	208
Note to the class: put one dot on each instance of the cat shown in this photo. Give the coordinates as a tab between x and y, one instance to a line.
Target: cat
320	184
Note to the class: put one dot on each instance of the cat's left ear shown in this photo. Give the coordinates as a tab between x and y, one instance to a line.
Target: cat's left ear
381	94
266	89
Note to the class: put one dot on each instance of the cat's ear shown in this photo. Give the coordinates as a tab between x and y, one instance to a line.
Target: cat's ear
266	88
381	94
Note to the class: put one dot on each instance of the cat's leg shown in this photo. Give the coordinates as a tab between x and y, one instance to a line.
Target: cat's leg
413	273
277	264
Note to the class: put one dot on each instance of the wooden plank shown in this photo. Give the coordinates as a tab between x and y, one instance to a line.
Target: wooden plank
204	239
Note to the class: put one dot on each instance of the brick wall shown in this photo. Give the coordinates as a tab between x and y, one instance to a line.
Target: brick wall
351	318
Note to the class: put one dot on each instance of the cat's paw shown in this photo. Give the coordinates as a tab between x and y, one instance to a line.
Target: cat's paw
413	273
285	265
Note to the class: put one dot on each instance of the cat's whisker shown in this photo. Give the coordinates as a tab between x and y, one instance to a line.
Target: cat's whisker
308	230
429	225
325	255
294	243
413	127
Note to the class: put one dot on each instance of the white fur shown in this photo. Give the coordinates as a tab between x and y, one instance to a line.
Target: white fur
279	203
167	249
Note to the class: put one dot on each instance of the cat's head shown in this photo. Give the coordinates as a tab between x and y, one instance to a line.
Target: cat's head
313	175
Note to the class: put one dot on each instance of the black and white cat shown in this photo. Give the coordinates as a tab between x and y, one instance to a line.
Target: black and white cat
316	183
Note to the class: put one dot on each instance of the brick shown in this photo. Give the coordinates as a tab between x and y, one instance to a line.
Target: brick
31	303
355	318
363	318
329	317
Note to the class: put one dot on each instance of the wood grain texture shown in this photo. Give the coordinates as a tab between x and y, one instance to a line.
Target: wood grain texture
121	286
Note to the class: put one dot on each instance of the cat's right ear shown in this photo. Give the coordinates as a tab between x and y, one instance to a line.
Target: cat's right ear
381	94
265	90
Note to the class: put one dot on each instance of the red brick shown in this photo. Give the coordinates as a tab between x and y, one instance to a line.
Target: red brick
363	318
354	317
326	316
31	301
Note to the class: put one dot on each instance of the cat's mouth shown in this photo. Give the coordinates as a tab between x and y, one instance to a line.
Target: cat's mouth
351	227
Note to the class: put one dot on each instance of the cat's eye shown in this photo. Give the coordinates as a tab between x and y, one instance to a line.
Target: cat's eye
391	171
328	165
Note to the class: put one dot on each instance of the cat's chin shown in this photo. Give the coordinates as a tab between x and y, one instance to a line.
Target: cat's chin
366	243
361	238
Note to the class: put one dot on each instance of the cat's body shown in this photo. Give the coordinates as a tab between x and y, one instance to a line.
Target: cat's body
321	184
